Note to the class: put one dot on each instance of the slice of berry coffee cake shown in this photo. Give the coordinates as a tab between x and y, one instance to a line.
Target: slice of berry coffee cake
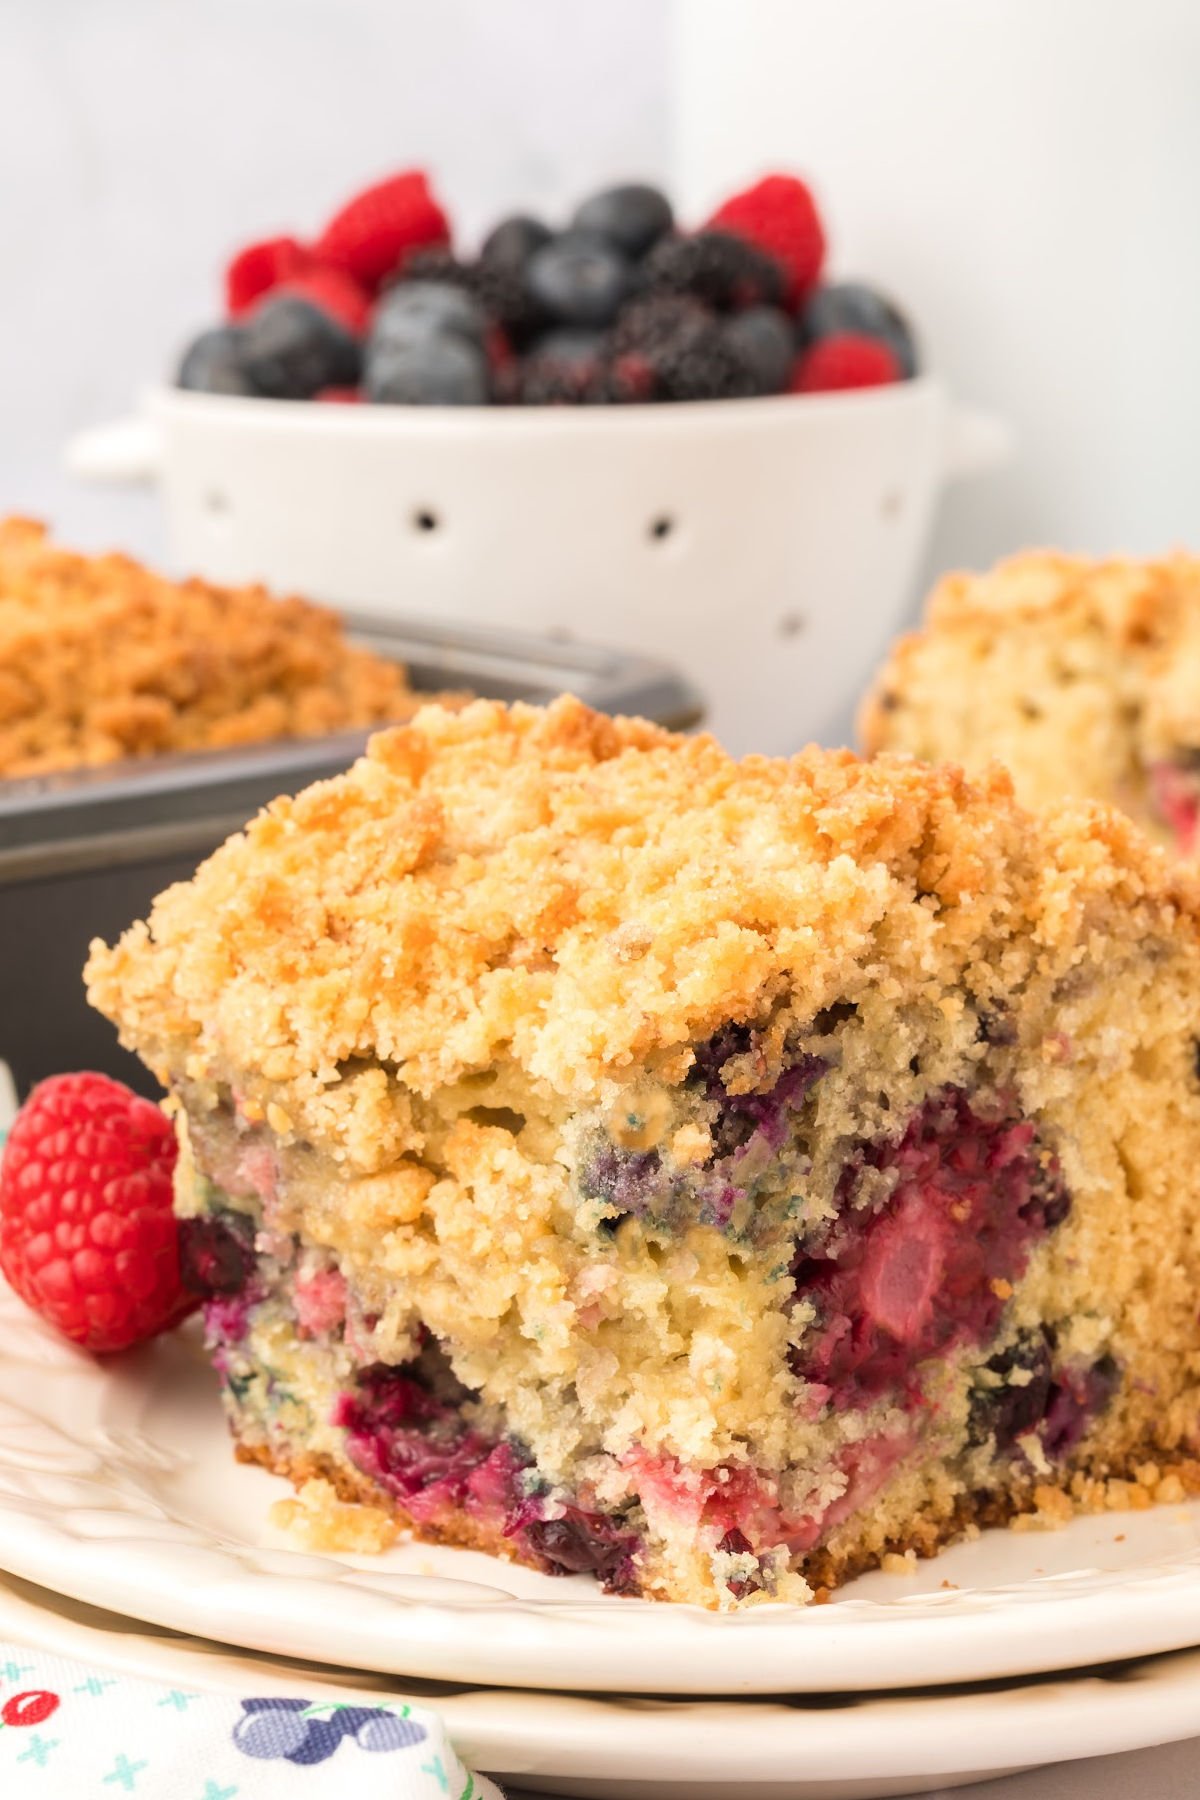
1081	677
709	1176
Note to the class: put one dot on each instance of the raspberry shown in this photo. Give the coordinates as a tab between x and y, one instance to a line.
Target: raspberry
258	268
780	215
846	360
338	296
87	1235
377	231
339	396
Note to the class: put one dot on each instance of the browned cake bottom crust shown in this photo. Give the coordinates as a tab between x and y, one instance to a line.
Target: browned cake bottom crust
1085	1487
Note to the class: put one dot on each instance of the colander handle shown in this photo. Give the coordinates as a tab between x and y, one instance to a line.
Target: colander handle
125	453
976	443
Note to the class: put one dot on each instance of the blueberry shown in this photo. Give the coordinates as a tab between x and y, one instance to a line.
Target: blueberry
291	348
853	306
387	1731
271	1734
438	370
579	278
511	243
1007	1410
762	340
212	363
416	310
582	1544
632	216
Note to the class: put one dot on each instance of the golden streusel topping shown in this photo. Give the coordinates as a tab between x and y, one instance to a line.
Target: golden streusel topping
1130	626
101	659
576	895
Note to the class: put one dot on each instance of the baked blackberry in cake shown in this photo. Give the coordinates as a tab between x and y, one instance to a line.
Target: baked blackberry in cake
711	1177
1081	676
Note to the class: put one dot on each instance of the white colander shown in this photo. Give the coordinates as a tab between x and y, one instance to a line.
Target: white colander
765	547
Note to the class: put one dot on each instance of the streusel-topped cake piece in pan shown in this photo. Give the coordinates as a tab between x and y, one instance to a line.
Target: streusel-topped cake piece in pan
709	1176
1082	677
102	659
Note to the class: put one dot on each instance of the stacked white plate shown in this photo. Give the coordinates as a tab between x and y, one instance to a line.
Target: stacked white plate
118	1491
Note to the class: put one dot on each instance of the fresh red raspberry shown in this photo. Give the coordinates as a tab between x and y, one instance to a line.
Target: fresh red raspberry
845	360
87	1235
337	294
258	268
377	231
779	215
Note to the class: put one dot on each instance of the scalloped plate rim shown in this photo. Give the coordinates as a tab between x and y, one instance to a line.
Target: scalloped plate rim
129	1541
603	1738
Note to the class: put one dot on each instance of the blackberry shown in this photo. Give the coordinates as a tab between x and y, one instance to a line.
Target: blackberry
501	291
498	286
569	367
683	345
714	266
432	265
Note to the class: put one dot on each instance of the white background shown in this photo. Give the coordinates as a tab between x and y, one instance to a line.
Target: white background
142	140
1024	173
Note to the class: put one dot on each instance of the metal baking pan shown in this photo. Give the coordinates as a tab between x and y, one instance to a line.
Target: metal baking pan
82	854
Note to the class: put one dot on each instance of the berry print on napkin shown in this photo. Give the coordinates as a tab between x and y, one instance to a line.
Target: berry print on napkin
66	1729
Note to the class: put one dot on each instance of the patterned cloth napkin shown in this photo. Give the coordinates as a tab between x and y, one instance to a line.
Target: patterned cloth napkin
68	1732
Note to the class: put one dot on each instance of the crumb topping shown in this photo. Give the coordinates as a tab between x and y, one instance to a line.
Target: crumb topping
574	895
1077	673
101	659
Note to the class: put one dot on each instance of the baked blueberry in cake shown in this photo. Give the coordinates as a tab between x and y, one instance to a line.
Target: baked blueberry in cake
706	1176
1082	677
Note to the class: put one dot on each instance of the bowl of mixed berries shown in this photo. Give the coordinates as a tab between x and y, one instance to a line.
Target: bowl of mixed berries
686	439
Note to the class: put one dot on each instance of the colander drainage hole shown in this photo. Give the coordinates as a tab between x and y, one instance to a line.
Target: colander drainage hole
660	528
216	503
425	519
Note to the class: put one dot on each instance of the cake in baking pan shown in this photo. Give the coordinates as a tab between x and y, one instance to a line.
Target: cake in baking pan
100	660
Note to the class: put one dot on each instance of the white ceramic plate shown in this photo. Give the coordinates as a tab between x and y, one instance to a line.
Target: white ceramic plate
118	1487
629	1749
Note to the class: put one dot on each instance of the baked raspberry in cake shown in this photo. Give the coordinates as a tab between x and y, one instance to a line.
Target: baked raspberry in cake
707	1176
1082	677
